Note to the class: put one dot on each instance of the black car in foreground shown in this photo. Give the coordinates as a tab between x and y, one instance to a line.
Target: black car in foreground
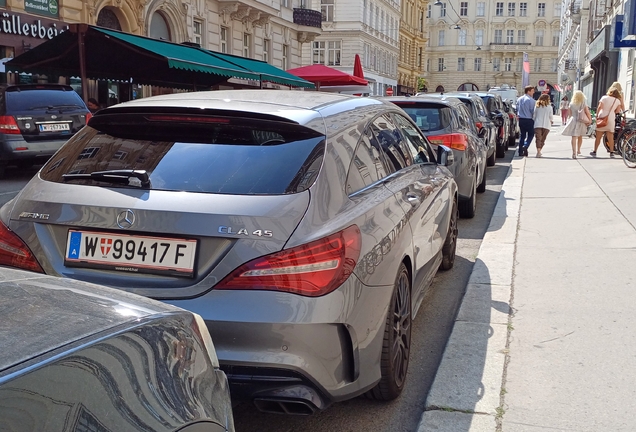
35	120
81	357
446	121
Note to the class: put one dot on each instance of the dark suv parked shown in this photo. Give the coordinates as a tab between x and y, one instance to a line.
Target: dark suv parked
495	106
514	123
35	120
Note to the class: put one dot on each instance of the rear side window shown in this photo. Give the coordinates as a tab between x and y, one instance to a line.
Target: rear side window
395	152
194	153
429	117
416	142
367	166
42	100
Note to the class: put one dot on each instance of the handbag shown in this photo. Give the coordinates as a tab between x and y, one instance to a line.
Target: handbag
583	116
602	121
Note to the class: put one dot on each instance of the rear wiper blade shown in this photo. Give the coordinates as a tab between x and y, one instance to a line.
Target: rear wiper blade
113	176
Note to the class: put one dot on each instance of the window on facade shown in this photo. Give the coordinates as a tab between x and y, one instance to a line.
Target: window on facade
555	65
463	9
197	31
421	21
285	60
318	54
555	39
266	49
461	64
364	11
519	64
498	36
521	36
462	37
511	9
508	64
159	28
481	9
499	9
420	54
223	39
440	64
377	18
371	14
539	38
428	11
479	37
523	9
333	53
440	37
247	43
477	64
284	3
537	65
428	65
496	64
367	55
541	10
557	9
326	7
510	36
442	10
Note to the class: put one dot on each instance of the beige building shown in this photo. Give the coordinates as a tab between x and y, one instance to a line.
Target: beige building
476	45
412	45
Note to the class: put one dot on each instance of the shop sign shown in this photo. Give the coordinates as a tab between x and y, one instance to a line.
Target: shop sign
629	20
13	24
599	44
47	8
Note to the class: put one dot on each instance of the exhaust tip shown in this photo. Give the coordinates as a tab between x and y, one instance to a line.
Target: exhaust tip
282	406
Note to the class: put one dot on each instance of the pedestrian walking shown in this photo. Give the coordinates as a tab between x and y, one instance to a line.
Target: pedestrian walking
606	111
577	124
542	118
565	110
525	109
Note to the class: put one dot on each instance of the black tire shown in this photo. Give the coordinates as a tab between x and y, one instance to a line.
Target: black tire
397	341
629	151
481	188
492	159
467	207
512	142
501	150
450	244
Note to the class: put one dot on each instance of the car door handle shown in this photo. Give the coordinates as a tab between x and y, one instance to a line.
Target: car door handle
413	199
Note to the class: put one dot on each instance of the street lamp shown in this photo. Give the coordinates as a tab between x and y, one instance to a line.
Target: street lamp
437	3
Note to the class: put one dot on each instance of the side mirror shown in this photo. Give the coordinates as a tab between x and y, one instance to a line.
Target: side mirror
445	156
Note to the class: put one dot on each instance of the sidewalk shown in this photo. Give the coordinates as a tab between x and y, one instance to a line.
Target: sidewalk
545	339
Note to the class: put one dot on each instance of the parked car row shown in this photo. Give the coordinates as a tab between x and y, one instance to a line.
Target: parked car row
302	231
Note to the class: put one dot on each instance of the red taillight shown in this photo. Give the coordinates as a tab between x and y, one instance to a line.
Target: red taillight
14	253
187	119
511	115
312	269
479	125
88	117
457	141
8	125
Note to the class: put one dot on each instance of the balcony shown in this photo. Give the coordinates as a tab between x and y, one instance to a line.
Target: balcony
495	46
308	17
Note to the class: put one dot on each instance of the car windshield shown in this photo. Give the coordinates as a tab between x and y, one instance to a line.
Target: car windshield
42	99
185	154
428	117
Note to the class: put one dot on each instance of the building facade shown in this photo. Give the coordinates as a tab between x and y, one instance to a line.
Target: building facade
476	45
369	28
412	45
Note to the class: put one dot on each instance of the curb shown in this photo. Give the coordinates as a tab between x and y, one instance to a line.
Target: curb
467	391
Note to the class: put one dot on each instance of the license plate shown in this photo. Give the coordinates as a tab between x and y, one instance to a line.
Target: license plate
133	254
54	127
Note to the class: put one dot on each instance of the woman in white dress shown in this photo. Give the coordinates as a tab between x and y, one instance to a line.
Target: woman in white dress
608	106
575	127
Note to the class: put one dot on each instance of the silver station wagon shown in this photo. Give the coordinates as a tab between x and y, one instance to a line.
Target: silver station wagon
303	227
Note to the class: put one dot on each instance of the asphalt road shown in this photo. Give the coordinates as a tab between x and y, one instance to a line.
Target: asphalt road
431	330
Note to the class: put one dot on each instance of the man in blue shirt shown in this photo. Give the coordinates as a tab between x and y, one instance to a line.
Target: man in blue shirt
525	109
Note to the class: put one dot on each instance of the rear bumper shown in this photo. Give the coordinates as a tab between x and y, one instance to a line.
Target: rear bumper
274	345
19	149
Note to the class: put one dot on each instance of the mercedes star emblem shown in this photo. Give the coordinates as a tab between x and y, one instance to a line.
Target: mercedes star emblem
126	219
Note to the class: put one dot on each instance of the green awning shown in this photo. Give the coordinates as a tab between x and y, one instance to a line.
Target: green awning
114	55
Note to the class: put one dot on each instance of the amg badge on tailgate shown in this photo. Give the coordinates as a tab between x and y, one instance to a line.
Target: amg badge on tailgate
29	215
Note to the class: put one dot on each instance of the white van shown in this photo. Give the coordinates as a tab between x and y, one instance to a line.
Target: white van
506	93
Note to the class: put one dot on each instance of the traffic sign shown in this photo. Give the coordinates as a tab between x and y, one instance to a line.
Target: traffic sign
389	91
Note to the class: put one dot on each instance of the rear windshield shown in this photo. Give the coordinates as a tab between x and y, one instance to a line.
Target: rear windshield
42	99
490	102
185	153
428	117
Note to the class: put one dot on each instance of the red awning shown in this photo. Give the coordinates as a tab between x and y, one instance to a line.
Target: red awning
326	76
